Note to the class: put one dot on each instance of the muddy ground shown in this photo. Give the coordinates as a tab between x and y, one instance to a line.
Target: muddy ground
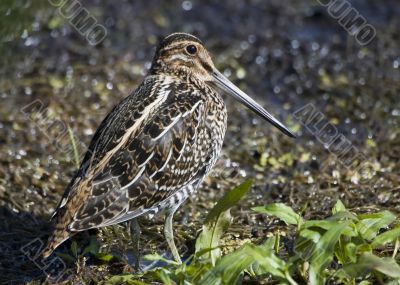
286	54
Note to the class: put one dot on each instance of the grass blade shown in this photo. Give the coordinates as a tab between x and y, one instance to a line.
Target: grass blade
74	147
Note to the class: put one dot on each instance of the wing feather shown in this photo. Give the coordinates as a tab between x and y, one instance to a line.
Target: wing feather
140	161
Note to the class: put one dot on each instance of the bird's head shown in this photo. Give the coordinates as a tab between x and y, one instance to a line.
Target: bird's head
184	54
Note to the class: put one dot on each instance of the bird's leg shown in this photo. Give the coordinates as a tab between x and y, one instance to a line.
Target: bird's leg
169	234
135	235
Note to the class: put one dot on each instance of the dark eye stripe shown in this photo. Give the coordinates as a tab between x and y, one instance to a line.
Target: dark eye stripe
206	66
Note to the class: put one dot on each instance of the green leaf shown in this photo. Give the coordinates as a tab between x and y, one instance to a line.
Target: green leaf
311	234
281	211
231	267
267	261
157	257
339	207
208	240
369	261
386	237
343	215
327	224
351	251
122	279
163	275
370	224
104	256
229	200
93	246
365	282
74	249
322	224
218	221
322	254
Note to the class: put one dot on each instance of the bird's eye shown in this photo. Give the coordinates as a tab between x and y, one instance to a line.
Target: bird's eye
191	49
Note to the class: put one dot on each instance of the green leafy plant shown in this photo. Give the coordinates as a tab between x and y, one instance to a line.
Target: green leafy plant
345	238
344	248
218	221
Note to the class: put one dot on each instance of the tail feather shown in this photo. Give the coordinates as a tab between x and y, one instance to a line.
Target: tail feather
55	240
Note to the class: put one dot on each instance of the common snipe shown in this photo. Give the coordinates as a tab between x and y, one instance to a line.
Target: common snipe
153	150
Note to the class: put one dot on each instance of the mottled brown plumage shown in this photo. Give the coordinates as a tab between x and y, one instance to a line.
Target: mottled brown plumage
155	147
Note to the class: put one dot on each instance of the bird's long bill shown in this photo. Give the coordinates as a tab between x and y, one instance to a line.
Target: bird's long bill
246	100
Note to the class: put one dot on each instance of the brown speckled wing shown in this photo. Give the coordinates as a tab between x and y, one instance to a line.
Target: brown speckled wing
153	149
111	128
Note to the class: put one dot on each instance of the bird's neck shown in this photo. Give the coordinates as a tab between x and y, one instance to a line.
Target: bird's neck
159	68
183	76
